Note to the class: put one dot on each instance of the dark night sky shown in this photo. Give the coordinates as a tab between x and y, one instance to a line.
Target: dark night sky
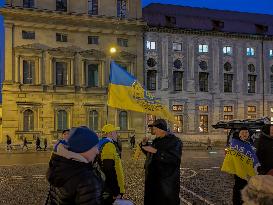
253	6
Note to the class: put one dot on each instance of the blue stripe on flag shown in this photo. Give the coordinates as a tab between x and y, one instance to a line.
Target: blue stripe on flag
120	76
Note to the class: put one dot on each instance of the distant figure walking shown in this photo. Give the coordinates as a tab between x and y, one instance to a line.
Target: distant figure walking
24	143
133	140
45	144
209	145
9	147
38	144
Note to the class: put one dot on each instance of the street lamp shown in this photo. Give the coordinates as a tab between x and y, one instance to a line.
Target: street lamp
113	50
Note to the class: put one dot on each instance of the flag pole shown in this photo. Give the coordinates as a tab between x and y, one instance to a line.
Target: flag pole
113	50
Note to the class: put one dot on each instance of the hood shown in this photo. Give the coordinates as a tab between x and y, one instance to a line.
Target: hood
62	169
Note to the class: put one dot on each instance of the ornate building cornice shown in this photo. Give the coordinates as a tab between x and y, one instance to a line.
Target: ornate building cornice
69	51
75	21
32	48
208	33
92	53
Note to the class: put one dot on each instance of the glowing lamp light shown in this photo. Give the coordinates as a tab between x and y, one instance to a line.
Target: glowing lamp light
113	50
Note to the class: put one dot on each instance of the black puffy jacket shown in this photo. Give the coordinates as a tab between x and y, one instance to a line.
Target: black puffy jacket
73	182
265	153
162	180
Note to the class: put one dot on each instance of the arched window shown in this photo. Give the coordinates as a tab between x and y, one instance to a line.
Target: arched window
227	66
251	68
28	120
94	120
62	120
123	120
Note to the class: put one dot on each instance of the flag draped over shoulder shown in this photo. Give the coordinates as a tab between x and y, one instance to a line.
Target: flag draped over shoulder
240	160
125	92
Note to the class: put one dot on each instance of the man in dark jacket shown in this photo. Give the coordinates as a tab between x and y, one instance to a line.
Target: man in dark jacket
265	149
239	183
72	177
162	166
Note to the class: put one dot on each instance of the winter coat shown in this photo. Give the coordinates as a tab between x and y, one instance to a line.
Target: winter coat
73	182
162	172
265	153
110	160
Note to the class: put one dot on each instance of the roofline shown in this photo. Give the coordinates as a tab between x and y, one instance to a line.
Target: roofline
208	33
210	9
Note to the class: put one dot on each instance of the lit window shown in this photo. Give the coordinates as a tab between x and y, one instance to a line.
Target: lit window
150	120
228	117
203	48
178	125
151	45
204	108
177	107
251	109
203	123
250	52
227	50
271	53
227	108
177	46
271	109
251	116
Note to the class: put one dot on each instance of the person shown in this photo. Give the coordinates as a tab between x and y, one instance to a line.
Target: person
133	140
265	149
38	143
239	184
209	145
45	144
25	143
62	142
110	162
162	166
259	190
9	147
73	179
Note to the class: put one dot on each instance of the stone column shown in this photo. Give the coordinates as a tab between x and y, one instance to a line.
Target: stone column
9	64
190	67
165	62
215	67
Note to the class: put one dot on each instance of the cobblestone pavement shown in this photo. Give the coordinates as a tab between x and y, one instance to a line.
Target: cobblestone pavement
201	181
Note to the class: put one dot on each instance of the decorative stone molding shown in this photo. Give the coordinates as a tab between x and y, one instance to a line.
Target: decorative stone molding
96	54
68	52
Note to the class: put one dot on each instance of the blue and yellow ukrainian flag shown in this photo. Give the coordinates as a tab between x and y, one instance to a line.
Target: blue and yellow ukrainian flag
240	160
125	92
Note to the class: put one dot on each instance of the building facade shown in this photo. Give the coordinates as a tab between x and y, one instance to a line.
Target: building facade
209	66
57	63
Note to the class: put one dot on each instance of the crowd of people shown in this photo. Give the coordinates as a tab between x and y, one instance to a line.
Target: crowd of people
87	169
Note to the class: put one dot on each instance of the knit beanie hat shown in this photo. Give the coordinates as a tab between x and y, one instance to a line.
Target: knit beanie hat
81	139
